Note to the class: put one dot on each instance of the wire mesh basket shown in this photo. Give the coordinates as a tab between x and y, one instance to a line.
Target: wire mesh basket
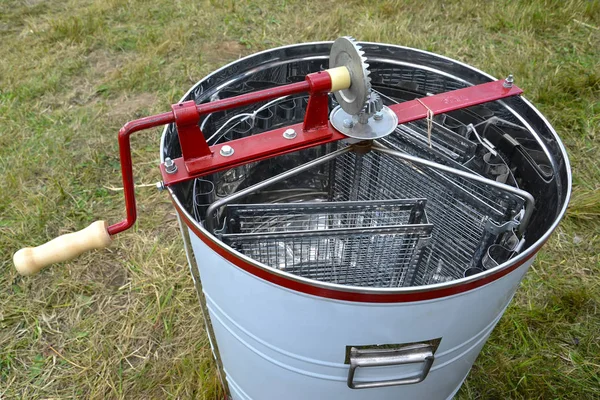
462	212
367	243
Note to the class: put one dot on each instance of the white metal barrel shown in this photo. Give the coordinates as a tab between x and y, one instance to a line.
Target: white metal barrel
279	333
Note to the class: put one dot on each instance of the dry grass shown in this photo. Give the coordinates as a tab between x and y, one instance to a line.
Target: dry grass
124	323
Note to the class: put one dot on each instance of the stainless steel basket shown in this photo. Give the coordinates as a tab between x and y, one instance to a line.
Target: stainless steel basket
367	243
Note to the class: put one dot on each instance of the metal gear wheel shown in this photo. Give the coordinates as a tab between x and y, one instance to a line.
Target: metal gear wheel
373	105
346	52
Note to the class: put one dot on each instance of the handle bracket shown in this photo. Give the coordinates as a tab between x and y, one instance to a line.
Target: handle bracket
391	355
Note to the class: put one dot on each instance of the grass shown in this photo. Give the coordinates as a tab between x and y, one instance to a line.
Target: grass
124	322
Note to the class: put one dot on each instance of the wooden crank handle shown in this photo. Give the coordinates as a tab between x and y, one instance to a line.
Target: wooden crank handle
30	260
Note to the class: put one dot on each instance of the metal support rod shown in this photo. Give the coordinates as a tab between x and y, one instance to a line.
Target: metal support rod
467	175
253	97
210	212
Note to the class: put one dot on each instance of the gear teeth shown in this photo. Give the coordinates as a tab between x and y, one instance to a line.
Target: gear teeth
363	60
373	105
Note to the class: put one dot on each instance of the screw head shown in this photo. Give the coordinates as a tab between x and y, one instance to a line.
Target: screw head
378	116
226	151
508	82
348	123
160	186
170	166
289	134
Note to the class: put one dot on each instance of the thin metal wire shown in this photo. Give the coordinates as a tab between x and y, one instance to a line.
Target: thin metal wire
245	116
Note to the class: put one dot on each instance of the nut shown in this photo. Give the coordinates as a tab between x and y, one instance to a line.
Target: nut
289	134
170	167
226	151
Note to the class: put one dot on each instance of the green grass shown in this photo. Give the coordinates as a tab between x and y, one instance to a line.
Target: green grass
124	322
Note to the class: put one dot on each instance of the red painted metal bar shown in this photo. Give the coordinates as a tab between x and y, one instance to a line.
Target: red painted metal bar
450	101
187	115
196	153
251	149
271	144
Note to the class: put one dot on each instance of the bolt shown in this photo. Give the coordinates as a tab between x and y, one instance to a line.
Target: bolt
508	82
226	151
363	118
160	185
378	116
348	123
289	134
170	166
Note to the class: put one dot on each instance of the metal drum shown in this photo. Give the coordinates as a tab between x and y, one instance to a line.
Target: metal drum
353	271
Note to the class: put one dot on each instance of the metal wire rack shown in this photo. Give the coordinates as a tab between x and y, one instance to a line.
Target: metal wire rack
310	216
364	203
413	79
367	243
498	204
457	215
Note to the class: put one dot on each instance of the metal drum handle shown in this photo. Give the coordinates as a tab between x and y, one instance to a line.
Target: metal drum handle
364	358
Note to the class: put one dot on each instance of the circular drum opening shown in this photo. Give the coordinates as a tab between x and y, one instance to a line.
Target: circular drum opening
368	219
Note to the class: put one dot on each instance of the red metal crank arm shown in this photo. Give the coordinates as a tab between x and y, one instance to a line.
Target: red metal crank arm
126	165
253	97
